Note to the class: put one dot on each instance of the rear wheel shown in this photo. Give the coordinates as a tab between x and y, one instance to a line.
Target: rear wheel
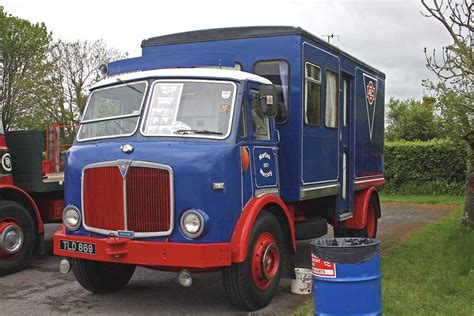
17	237
252	283
102	277
370	229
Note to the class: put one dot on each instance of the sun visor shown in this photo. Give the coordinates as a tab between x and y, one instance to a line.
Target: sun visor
186	59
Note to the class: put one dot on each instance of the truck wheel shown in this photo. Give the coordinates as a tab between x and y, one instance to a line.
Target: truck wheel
370	229
17	237
252	283
101	277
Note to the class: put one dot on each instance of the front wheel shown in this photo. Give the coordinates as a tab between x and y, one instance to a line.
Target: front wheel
102	277
17	237
252	283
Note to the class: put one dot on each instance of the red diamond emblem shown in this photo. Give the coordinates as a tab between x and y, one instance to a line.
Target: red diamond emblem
371	93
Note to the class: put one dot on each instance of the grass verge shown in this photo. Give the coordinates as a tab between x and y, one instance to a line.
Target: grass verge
432	273
421	199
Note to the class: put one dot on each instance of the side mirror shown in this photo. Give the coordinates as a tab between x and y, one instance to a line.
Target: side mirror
268	100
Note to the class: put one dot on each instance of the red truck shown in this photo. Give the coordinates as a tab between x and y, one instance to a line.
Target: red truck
29	196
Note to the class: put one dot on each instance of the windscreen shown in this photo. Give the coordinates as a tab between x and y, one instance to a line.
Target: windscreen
190	108
113	111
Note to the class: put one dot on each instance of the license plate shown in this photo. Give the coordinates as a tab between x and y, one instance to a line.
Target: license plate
76	246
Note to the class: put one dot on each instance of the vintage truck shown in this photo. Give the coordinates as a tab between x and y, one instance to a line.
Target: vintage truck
218	149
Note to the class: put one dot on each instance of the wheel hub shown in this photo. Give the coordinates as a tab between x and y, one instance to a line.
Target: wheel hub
11	238
266	261
269	260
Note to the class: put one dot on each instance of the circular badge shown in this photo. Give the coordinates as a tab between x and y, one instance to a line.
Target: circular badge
7	162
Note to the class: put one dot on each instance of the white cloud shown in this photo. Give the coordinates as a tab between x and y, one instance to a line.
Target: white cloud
389	35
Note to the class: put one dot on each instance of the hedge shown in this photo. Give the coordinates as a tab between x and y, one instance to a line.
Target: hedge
431	167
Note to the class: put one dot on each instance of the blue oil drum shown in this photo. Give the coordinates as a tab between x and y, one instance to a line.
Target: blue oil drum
346	276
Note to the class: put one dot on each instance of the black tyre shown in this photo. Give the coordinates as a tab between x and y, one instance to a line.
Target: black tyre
17	237
252	283
370	229
101	277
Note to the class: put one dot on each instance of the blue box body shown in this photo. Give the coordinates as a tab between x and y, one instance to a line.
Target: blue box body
317	162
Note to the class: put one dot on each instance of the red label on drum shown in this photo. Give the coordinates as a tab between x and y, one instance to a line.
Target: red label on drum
323	269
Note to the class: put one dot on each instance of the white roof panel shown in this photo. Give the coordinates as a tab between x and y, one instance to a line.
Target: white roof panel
181	73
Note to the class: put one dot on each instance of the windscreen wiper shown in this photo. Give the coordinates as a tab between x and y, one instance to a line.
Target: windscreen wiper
196	131
129	86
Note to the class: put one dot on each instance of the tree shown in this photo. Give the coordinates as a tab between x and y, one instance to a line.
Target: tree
453	108
455	68
411	120
75	70
25	67
46	81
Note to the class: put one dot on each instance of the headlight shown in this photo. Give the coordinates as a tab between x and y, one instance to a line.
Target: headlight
192	223
71	217
103	71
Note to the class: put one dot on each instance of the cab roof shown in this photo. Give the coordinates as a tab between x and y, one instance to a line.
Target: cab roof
185	73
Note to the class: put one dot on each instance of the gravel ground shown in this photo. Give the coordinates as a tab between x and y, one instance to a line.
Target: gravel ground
41	289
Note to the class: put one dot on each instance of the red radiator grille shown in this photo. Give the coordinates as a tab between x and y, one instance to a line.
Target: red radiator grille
103	198
148	199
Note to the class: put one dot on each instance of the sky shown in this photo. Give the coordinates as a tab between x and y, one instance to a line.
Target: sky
388	34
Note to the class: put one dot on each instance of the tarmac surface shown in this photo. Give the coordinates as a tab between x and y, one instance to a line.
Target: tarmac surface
42	290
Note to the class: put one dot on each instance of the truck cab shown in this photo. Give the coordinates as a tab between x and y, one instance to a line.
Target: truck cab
213	151
179	139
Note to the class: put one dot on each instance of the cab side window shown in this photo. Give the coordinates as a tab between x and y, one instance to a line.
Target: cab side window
331	116
261	127
312	99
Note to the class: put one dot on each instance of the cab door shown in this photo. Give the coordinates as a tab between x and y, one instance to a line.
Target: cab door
263	147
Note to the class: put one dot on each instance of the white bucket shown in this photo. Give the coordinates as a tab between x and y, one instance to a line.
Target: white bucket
303	282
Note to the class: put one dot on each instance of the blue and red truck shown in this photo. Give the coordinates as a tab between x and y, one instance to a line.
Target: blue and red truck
219	149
